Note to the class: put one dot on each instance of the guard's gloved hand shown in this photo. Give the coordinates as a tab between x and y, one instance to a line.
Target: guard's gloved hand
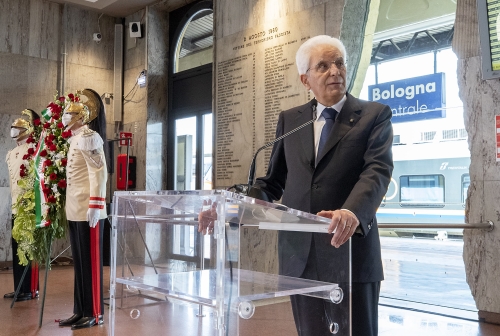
93	215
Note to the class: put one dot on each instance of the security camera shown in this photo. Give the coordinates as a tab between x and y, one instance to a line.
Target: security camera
135	29
97	37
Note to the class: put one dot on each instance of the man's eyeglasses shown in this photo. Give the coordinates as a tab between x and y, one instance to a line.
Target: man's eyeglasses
324	66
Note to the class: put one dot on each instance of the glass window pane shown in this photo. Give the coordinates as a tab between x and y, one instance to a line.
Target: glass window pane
446	61
407	67
207	168
369	80
465	186
185	154
183	243
422	188
195	44
207	151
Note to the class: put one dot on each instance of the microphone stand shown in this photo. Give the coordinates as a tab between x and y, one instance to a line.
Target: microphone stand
251	173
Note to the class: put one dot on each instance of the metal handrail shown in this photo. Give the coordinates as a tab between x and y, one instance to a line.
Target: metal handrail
488	225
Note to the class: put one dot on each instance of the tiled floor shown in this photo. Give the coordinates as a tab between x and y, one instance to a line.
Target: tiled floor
23	318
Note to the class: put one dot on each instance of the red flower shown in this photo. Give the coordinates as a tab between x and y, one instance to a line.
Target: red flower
55	109
60	125
46	190
62	99
64	162
26	156
46	125
71	96
43	153
51	137
77	99
66	134
62	184
31	151
37	122
56	116
51	199
52	147
29	140
22	173
23	167
53	176
47	223
47	163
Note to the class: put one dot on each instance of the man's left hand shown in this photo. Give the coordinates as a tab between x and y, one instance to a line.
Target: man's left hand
343	225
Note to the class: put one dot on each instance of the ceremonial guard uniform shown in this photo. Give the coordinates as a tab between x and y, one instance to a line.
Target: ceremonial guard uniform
20	130
86	175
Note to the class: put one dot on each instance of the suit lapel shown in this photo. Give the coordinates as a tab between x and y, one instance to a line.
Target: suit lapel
348	117
307	133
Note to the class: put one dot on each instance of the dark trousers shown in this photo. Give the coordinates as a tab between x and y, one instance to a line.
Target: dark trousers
79	233
313	316
18	269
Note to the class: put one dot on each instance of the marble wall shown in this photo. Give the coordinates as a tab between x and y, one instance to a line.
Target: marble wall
481	99
157	105
145	109
6	143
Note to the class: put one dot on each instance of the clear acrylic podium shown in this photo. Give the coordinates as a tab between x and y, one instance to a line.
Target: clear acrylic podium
168	279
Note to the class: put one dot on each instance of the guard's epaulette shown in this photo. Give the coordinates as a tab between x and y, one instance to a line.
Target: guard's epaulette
90	140
88	132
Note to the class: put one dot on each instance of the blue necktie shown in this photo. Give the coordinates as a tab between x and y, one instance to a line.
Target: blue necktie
329	114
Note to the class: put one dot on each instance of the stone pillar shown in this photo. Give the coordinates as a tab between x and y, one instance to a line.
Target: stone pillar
481	99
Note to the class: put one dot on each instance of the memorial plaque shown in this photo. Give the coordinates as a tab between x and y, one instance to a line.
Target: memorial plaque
256	79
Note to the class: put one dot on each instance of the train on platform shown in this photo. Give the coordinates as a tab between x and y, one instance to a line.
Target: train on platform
429	185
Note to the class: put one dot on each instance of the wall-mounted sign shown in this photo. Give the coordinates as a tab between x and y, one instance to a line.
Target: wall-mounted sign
411	99
123	139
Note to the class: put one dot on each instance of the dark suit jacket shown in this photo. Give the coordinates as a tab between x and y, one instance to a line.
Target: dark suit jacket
353	173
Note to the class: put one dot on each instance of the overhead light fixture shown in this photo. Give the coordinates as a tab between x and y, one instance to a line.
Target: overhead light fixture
91	0
141	80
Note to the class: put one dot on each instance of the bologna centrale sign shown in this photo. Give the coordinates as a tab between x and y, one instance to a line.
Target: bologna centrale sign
411	99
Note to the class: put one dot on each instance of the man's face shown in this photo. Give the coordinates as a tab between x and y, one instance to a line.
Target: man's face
326	76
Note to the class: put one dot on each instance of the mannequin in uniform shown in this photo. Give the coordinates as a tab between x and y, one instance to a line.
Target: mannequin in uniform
86	176
20	131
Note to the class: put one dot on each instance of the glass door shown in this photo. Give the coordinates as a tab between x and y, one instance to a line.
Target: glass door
193	171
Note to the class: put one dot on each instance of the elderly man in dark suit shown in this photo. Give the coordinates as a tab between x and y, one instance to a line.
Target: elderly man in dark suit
340	168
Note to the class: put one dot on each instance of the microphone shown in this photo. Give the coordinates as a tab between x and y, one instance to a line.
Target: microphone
251	173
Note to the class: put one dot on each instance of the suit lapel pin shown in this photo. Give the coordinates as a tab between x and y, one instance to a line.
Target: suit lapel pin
351	120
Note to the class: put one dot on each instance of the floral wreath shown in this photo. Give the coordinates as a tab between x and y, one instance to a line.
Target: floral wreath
41	203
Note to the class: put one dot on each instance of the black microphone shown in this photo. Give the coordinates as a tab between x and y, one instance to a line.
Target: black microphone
251	173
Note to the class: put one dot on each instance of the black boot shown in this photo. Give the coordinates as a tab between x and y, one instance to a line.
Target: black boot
9	295
70	321
23	297
87	322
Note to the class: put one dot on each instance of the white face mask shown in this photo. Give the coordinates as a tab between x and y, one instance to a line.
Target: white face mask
14	132
66	119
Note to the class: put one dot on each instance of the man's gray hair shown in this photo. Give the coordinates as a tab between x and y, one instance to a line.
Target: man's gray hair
303	55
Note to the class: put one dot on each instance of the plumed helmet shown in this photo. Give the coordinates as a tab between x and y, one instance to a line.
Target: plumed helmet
86	109
26	124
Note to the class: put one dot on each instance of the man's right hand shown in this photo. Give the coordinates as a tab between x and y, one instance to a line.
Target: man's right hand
207	217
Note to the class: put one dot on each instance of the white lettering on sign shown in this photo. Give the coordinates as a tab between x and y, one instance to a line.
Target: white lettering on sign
403	110
409	92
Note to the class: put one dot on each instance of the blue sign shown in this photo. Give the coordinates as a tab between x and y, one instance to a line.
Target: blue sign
411	99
